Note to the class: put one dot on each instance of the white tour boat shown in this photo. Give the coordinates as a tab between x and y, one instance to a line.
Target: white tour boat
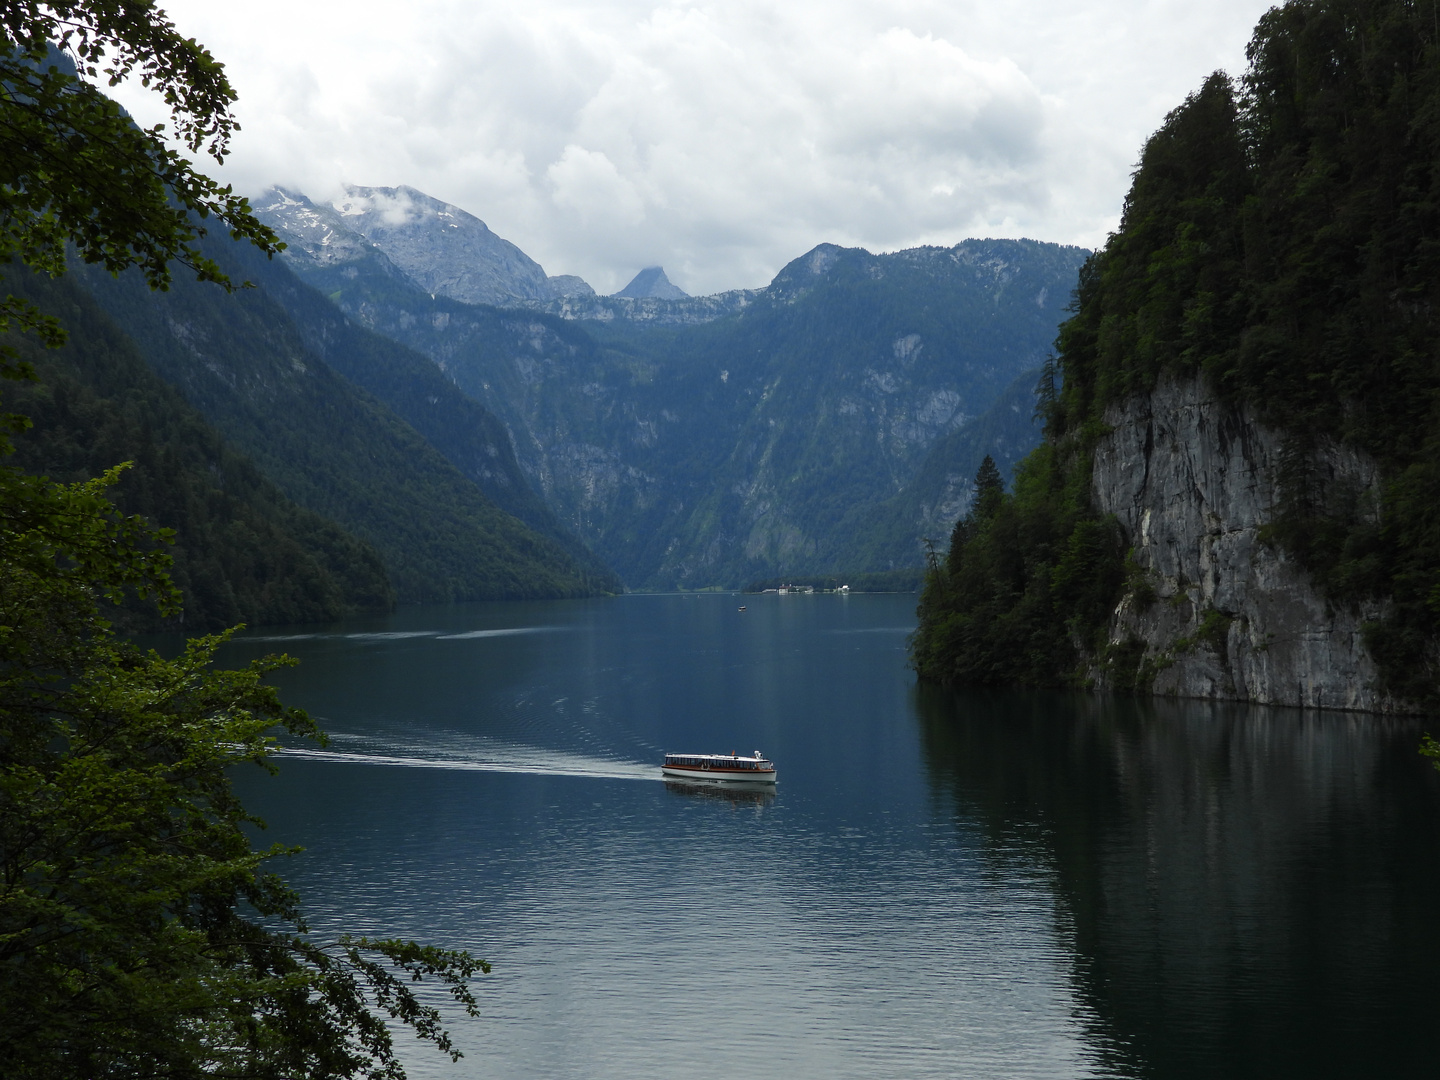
719	768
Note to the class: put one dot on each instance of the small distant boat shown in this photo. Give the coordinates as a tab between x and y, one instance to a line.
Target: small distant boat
719	768
742	607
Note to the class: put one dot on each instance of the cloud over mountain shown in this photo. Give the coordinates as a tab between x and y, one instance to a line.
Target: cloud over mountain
717	139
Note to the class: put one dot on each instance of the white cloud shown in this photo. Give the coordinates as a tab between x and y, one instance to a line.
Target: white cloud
720	140
394	209
587	184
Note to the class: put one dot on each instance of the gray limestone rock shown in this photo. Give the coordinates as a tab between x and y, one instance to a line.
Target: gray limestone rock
652	282
1192	481
315	233
446	250
564	285
653	310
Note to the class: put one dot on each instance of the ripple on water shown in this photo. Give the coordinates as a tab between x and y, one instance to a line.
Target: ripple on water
1004	886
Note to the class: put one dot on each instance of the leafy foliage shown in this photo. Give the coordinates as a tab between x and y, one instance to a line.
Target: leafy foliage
78	176
125	870
1282	239
140	935
1431	749
76	171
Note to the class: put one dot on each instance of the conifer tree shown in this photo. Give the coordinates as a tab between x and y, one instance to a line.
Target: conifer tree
989	490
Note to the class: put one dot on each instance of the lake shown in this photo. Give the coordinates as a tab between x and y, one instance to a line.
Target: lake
941	885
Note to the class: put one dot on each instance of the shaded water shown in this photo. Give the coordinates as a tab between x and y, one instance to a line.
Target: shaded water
1011	885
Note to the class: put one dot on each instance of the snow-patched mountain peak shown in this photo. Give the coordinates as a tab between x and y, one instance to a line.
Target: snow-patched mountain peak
446	250
312	230
437	246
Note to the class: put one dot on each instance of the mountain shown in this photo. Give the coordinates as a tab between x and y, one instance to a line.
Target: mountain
329	445
820	401
648	310
1238	493
470	437
892	534
651	283
320	234
328	251
725	442
242	551
439	247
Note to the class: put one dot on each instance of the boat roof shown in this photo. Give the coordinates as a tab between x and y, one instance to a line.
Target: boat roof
718	757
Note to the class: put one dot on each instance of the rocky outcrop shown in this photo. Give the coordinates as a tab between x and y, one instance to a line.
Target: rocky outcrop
408	234
1212	610
651	310
652	282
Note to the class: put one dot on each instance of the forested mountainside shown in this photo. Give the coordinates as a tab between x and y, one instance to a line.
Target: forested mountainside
242	551
691	453
468	435
1249	402
331	446
779	430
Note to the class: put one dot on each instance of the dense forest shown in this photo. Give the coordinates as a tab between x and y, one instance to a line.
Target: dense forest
804	459
415	388
292	494
331	446
1282	240
241	551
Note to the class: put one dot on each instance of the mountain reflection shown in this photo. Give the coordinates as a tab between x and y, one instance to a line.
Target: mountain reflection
1248	891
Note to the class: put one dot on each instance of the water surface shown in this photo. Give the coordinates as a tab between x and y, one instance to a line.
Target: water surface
1010	885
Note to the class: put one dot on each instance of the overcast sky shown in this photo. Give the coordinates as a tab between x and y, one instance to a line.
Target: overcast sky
720	140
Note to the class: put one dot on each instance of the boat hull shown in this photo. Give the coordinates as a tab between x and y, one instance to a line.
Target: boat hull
698	775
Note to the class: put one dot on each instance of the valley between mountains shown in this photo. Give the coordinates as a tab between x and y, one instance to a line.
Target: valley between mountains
404	407
826	423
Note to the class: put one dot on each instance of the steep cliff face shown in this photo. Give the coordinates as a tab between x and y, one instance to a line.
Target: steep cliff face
1218	612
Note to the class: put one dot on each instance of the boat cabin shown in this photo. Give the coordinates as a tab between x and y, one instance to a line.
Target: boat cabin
725	762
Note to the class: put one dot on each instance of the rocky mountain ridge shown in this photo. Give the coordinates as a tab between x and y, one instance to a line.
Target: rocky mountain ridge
406	237
712	440
892	534
648	310
439	247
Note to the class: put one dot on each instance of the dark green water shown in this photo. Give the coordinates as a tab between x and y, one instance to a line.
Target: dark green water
1008	885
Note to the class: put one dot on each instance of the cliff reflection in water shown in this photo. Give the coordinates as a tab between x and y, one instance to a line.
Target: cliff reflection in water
1249	891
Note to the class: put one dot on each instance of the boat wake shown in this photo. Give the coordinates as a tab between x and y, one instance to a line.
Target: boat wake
379	637
492	757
